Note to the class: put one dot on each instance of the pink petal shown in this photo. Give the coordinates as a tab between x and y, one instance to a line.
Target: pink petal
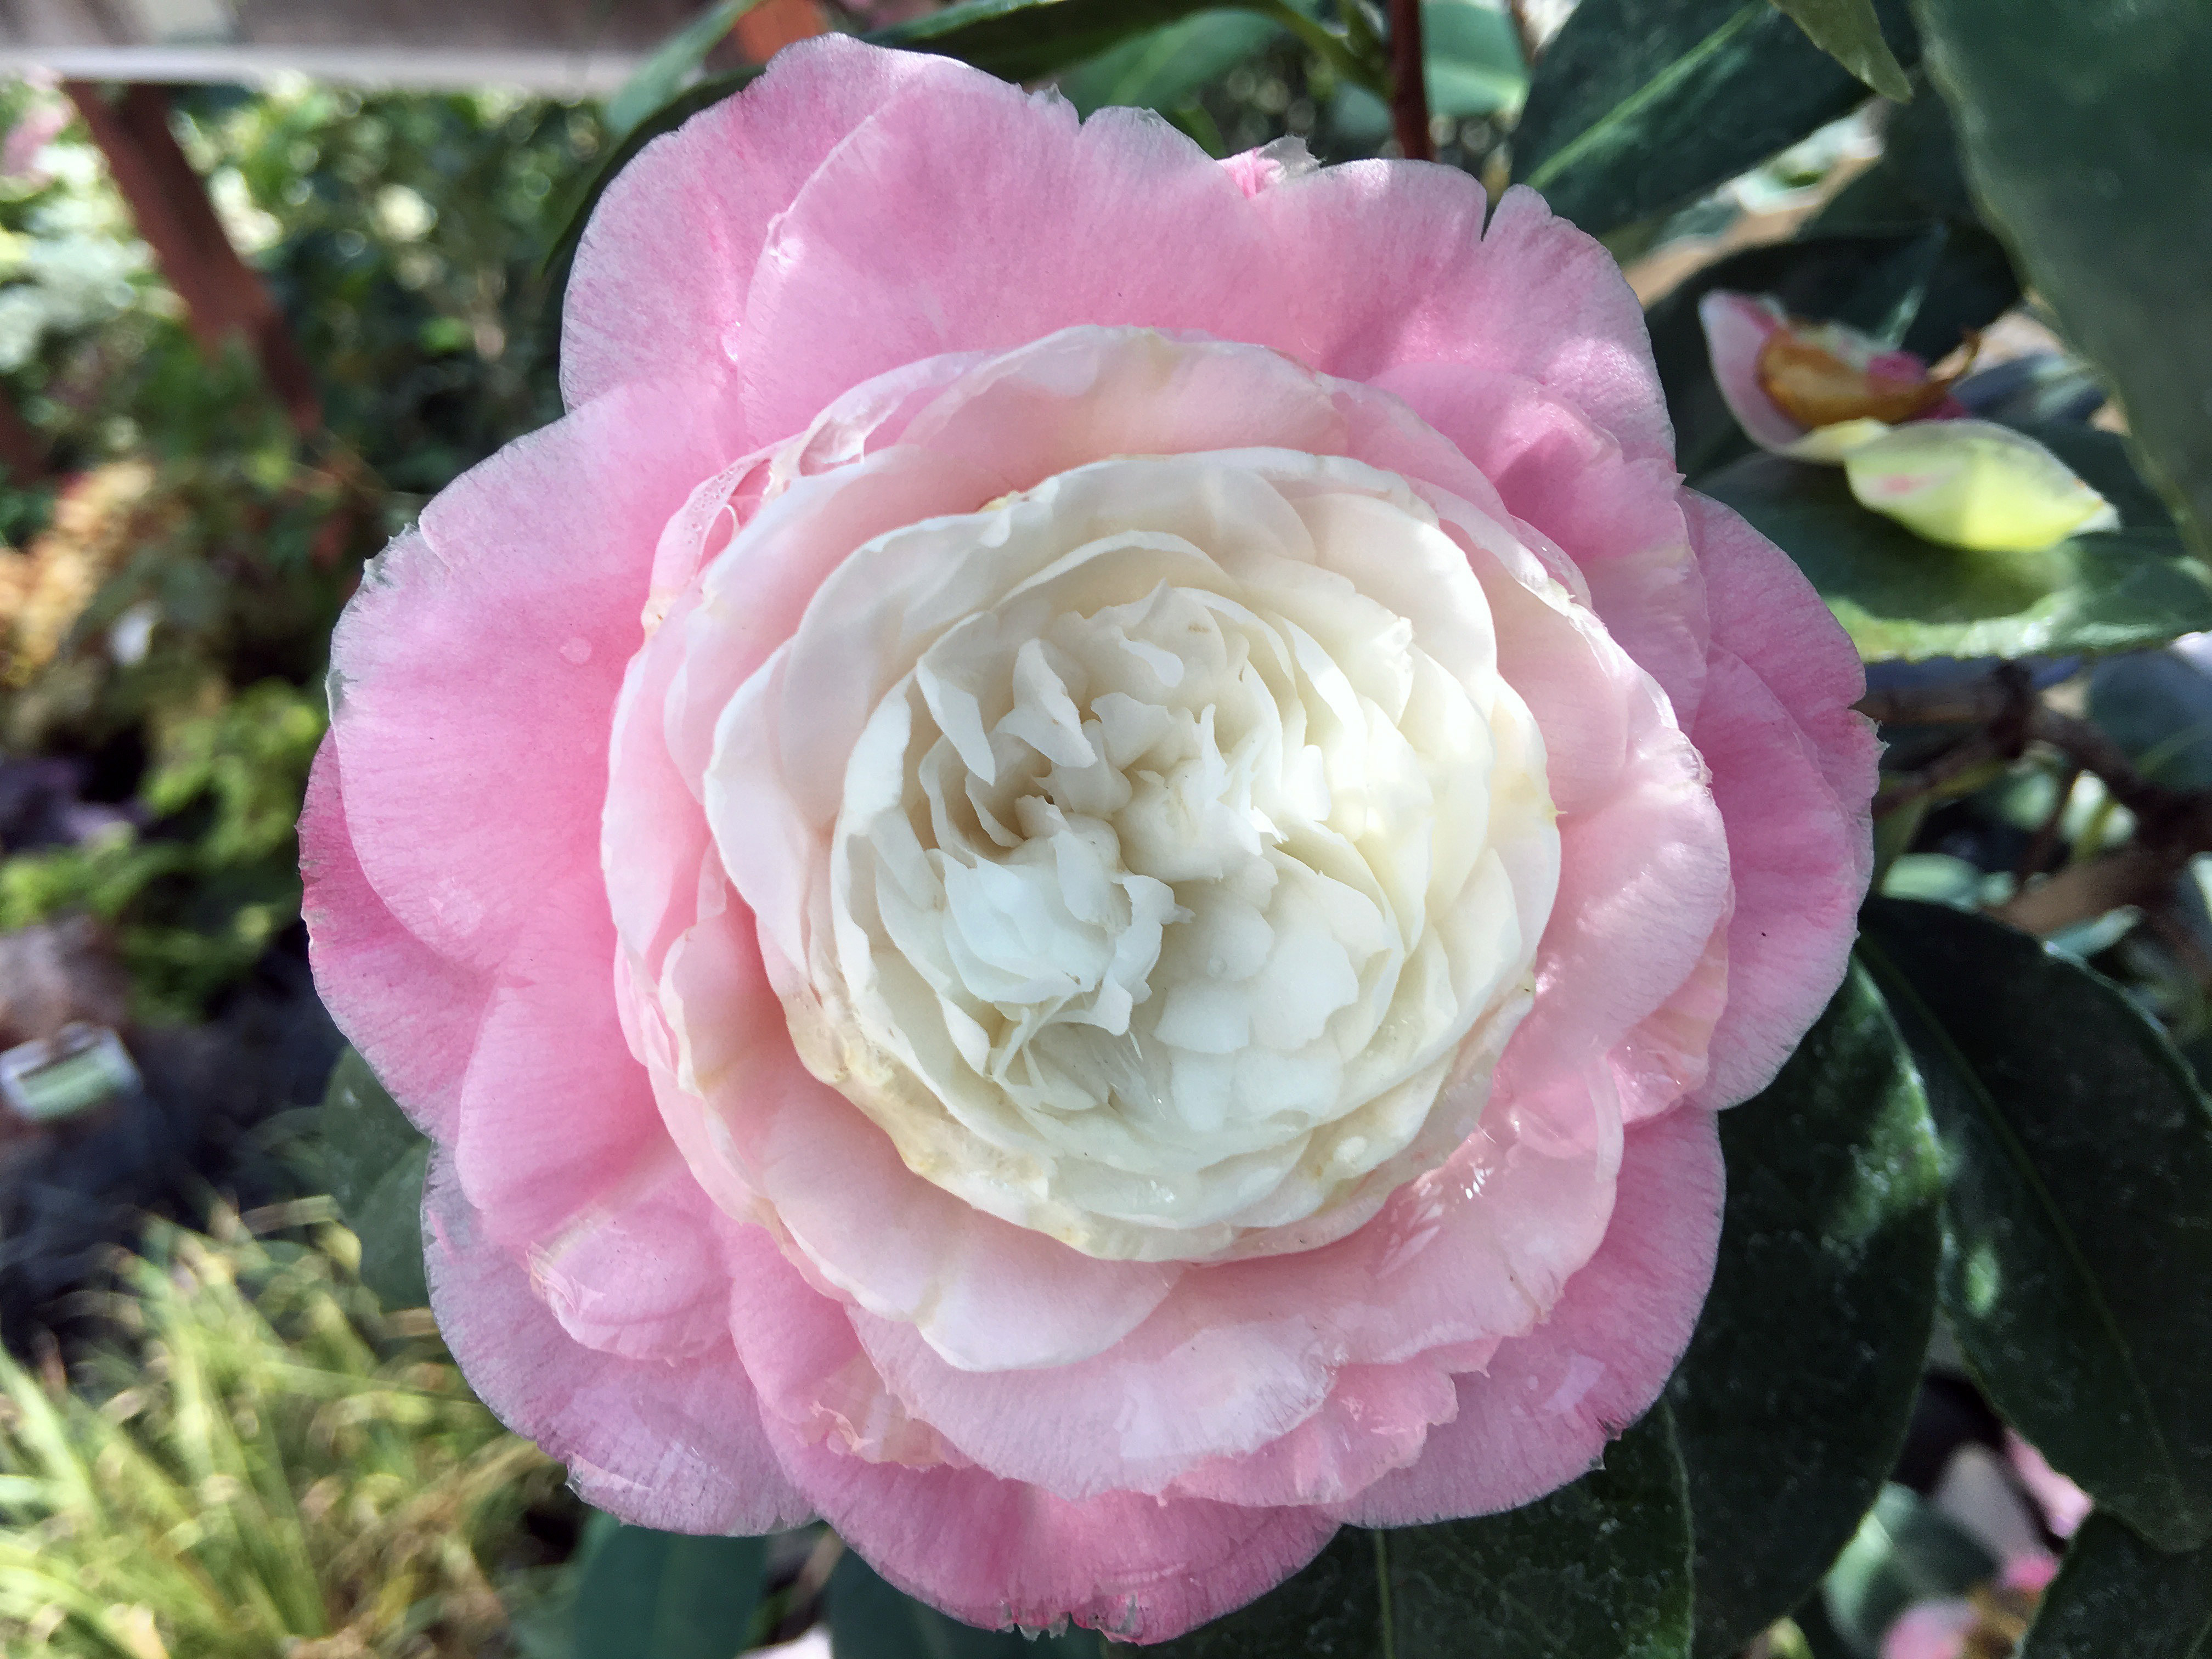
642	1272
1000	1554
1376	1418
677	1445
1620	520
2065	1506
1388	263
660	276
1793	767
986	1293
1767	613
944	256
484	653
556	1113
1645	873
1931	1630
1240	1354
413	1014
1736	329
1541	1414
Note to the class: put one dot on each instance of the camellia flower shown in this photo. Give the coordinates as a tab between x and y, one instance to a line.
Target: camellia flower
1071	877
1827	393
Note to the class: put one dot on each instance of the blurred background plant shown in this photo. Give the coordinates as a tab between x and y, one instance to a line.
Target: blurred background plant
260	1463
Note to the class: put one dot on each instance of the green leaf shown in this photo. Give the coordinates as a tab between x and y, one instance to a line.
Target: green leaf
662	75
869	1620
1940	279
1166	67
1638	105
1030	39
1598	1570
2085	134
1920	177
1904	1551
374	1160
2077	1269
1793	1401
647	1595
1848	32
1472	59
1903	598
2157	706
2115	1595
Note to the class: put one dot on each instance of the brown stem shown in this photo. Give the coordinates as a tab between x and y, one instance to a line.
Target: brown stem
2044	840
1409	89
2171	824
2082	892
223	295
1525	30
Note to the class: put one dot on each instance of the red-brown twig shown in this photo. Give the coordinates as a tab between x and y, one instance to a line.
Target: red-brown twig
1409	88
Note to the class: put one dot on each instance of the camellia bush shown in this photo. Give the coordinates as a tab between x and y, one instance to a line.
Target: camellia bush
1167	878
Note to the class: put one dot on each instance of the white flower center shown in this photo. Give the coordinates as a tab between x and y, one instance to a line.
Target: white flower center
1183	890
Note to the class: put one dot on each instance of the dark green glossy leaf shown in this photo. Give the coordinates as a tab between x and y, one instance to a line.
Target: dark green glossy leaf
1030	39
1851	32
2077	1269
2157	706
1166	67
662	75
1638	105
2086	136
1920	177
1904	1551
869	1620
2117	1598
375	1161
1938	279
647	1595
1792	1403
1903	598
1598	1570
1473	58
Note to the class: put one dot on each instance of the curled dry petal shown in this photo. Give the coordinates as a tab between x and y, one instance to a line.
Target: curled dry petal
1069	876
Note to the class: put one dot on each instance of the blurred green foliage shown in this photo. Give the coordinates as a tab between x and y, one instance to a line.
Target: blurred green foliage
265	1466
166	595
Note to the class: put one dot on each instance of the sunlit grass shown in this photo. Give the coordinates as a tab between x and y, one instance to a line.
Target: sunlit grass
269	1466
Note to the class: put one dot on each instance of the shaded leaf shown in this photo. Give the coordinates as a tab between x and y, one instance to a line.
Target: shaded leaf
1793	1398
2078	1207
1903	598
1166	67
1904	1551
2085	135
662	75
2157	706
1472	59
648	1595
1638	105
869	1620
1848	32
1030	39
1599	1569
2116	1595
1919	177
374	1160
